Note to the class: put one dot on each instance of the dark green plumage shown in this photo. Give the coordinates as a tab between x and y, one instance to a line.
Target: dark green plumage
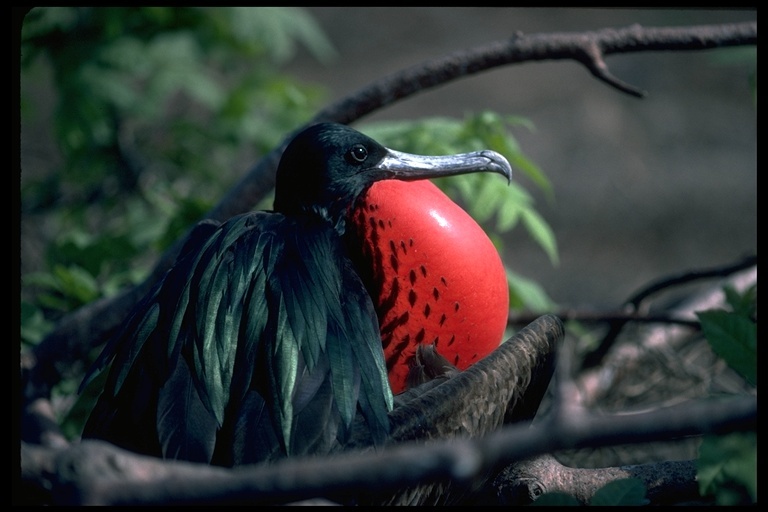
261	341
253	311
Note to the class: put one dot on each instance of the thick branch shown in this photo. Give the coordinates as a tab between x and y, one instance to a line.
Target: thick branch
666	483
92	472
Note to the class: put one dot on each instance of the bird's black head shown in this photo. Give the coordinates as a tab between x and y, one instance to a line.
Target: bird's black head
326	167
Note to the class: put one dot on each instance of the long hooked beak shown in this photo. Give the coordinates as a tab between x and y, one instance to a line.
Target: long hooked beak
409	167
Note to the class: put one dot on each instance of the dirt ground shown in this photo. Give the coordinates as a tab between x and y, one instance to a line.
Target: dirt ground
643	187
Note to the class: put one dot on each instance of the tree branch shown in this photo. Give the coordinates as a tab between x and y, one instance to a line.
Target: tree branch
458	458
588	48
667	483
509	384
96	473
588	316
632	307
631	310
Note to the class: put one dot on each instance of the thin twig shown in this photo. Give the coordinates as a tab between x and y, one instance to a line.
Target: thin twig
689	277
587	316
632	305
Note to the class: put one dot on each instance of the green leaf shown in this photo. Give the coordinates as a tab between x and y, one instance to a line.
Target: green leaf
276	30
33	325
76	282
187	212
745	303
530	169
507	217
486	198
109	85
727	468
527	294
624	492
440	135
542	233
734	338
92	253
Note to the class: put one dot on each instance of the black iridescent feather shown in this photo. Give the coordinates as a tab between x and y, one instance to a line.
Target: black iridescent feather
252	327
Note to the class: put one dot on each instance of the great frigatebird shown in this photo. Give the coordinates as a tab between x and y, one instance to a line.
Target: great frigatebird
262	340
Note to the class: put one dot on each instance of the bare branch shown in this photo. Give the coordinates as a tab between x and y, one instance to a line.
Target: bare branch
669	482
693	275
631	310
588	316
633	306
588	48
93	472
663	340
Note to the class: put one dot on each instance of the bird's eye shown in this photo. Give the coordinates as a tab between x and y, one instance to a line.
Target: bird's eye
357	154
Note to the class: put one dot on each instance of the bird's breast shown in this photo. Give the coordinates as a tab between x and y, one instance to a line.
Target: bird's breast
435	276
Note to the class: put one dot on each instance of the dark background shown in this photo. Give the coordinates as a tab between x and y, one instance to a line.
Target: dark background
643	187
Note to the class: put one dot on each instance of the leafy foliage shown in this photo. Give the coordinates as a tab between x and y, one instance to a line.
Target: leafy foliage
156	110
727	465
733	334
734	338
727	468
527	294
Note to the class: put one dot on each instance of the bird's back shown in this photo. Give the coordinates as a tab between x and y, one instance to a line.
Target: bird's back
260	342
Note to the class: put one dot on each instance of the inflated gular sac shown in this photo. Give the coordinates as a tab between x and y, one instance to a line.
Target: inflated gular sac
436	276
